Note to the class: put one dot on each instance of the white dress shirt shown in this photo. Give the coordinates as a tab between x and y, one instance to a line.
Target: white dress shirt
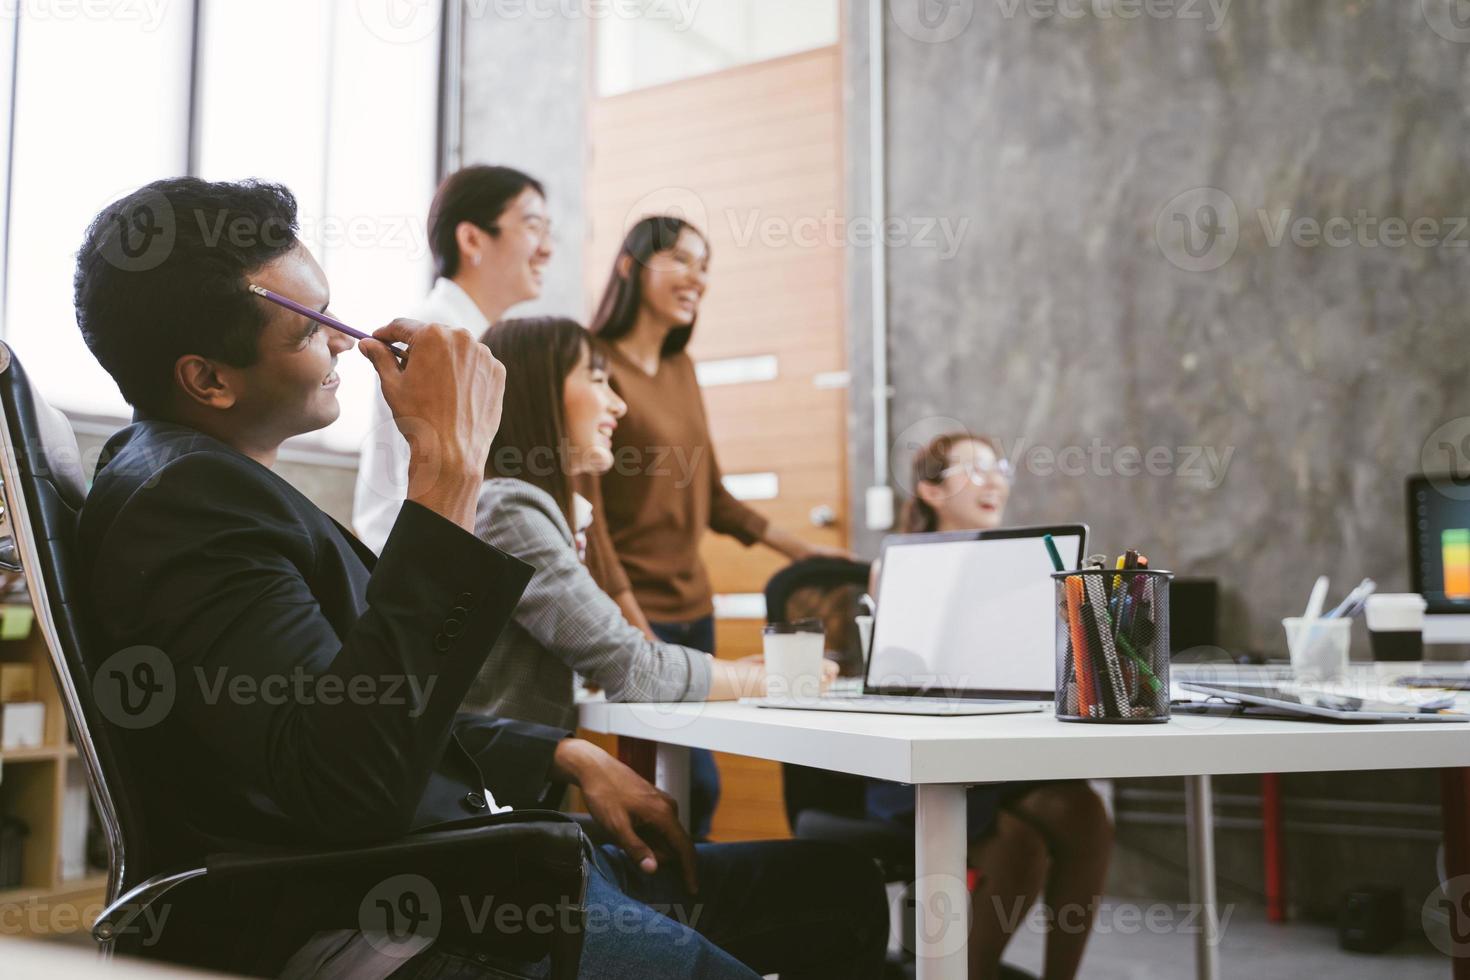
382	469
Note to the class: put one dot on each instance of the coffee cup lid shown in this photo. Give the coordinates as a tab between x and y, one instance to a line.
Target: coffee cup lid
797	626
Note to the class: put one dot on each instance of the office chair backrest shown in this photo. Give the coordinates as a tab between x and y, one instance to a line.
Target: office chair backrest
827	588
44	487
1194	614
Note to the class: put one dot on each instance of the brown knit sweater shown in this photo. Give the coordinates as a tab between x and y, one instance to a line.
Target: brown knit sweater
663	491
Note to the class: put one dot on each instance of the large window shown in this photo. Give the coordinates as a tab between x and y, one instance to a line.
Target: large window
316	95
663	41
343	112
101	106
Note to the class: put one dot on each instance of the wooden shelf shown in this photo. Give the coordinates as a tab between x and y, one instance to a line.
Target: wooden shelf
39	753
36	786
77	888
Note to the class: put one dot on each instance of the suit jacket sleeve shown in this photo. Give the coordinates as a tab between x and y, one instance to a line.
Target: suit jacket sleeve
211	562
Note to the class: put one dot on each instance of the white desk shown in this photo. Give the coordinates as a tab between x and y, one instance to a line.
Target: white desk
941	755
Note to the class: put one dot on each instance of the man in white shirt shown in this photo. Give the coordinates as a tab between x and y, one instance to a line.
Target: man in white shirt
491	240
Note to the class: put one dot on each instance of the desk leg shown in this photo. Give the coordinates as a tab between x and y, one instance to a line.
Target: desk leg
942	916
673	776
1199	809
1454	800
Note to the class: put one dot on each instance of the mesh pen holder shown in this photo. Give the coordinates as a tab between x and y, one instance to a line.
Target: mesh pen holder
1113	645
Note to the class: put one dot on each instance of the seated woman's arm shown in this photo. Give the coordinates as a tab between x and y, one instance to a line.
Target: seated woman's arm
565	611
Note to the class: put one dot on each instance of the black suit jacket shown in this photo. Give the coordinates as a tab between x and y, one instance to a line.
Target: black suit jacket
316	688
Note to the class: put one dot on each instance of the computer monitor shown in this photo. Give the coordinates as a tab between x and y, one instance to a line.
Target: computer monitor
970	613
1439	554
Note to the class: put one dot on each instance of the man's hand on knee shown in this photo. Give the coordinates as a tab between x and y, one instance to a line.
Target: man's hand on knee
643	819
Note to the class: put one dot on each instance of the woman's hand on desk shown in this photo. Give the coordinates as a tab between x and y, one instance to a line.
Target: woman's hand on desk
642	818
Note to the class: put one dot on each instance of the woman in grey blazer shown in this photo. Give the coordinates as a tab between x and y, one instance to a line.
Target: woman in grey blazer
558	419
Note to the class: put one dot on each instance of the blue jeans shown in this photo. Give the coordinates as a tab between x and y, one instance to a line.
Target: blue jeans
804	909
704	777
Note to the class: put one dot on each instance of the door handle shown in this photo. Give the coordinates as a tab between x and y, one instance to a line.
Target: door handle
823	516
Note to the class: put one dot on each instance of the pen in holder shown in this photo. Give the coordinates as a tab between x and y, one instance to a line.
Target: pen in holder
1113	645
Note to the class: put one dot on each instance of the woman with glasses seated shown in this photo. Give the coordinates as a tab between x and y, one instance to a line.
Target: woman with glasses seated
1051	839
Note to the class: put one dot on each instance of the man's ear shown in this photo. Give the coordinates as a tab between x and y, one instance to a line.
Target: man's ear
202	383
470	240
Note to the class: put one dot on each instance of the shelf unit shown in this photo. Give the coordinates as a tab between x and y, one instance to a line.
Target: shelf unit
33	785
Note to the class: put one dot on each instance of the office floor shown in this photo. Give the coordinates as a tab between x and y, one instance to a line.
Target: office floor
1250	949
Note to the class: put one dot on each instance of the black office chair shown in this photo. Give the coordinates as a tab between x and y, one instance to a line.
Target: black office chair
253	908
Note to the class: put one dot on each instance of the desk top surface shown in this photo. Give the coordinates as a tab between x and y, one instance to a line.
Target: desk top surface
996	748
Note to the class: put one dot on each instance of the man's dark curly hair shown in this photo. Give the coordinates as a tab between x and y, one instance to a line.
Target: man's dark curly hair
162	273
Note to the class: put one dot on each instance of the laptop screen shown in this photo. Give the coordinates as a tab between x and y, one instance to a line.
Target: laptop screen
969	614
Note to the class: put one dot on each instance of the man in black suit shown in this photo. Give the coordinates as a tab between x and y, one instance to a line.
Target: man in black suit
308	692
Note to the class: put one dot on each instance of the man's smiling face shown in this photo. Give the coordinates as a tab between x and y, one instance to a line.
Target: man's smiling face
292	386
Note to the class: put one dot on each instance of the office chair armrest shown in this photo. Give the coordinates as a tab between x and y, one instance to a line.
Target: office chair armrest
524	857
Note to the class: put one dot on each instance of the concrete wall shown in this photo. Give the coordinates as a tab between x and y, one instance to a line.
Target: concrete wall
524	105
1069	157
1043	170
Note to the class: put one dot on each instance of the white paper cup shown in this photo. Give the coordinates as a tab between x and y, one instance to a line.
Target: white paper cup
1396	625
793	653
865	635
1319	649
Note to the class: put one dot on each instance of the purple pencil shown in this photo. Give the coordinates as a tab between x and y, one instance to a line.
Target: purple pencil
321	318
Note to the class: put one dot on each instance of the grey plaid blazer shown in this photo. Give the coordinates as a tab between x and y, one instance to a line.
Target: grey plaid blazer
566	623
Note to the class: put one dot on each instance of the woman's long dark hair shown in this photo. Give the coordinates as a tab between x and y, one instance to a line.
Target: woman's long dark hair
538	353
621	299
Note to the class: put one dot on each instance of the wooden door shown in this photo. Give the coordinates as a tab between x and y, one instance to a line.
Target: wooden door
753	156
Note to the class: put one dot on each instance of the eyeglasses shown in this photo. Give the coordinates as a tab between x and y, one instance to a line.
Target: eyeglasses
537	225
981	473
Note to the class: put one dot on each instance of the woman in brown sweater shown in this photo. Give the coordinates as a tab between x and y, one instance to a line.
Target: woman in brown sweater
664	489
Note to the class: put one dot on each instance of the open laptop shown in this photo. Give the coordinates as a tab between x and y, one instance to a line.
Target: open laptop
966	625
